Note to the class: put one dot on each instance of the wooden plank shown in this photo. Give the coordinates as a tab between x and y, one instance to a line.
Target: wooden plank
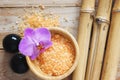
9	17
7	74
29	3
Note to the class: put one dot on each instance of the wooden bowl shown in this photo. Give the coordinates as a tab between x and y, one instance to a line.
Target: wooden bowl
37	71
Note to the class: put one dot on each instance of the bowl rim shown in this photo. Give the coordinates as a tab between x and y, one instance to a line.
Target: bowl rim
47	77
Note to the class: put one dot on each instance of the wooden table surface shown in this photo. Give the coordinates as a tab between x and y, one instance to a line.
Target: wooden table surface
10	10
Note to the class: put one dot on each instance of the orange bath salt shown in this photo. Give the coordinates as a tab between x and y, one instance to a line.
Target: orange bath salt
41	20
36	20
59	58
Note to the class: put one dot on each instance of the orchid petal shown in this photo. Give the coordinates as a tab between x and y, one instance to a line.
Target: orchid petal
46	44
26	46
41	34
28	32
36	53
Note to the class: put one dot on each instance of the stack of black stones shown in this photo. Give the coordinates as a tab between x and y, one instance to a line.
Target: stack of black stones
18	62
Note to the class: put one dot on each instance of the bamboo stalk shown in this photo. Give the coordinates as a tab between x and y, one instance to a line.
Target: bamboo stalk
91	56
113	46
100	30
84	33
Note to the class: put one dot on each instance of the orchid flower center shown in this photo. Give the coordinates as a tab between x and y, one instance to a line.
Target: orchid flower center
39	47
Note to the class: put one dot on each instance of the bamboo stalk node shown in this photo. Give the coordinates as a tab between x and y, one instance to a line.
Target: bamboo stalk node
117	10
102	20
87	10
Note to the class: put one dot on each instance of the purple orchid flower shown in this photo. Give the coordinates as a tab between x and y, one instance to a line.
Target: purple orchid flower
35	42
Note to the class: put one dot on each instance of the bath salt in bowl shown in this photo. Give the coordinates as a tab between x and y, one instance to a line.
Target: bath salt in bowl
58	61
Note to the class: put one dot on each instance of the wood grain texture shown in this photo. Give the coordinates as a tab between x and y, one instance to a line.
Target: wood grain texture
84	34
112	53
99	37
29	3
7	74
10	17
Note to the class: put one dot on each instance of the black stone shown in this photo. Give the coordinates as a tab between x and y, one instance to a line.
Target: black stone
18	64
11	42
